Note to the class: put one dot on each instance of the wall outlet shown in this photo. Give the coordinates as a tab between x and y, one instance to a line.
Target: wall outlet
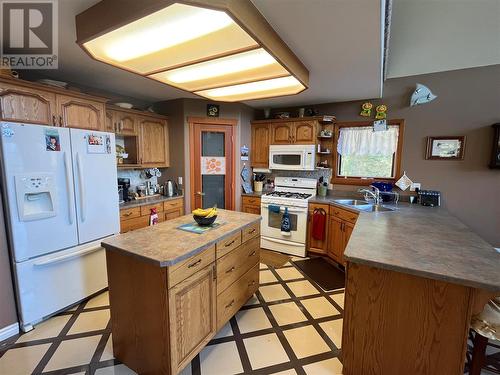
415	185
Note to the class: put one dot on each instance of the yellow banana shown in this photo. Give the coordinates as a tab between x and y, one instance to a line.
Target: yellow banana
212	213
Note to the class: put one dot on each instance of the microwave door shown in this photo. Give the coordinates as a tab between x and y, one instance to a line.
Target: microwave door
286	160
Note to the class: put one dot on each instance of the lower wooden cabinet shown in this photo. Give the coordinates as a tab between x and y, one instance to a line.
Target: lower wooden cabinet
192	316
162	317
138	217
315	245
250	204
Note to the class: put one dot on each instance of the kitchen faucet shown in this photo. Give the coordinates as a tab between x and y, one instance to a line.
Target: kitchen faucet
374	194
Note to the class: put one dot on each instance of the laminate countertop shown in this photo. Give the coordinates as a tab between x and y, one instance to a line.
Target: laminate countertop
427	242
165	245
150	200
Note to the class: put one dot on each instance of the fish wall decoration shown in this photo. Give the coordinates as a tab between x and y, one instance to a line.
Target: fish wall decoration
421	95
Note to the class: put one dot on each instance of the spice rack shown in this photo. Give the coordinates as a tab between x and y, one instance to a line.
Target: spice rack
325	142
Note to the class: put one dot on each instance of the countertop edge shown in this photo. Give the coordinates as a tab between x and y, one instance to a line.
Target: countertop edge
169	263
147	201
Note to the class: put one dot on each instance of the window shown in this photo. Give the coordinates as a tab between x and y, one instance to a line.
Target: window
363	155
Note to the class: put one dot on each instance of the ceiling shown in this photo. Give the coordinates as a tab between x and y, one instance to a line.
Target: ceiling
436	36
340	42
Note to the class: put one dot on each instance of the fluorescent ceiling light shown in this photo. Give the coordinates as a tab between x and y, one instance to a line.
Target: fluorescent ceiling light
196	48
261	89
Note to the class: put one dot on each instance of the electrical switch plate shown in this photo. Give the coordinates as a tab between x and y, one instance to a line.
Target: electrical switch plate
415	185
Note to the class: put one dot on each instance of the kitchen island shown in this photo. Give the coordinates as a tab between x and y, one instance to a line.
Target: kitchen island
414	278
171	290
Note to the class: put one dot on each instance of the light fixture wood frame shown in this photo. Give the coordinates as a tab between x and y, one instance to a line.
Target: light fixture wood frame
109	15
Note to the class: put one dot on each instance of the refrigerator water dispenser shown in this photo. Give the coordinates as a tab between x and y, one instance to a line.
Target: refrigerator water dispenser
35	196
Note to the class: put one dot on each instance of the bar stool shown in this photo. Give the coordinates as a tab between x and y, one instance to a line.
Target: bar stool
487	326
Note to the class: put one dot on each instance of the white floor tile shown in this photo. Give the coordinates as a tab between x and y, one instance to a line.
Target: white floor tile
22	361
289	273
108	350
319	307
225	331
333	329
251	320
273	293
49	328
328	367
266	276
220	359
339	298
98	301
265	351
75	352
287	313
115	370
306	341
252	301
90	321
302	288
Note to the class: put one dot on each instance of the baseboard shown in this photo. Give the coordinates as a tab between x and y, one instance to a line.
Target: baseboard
9	331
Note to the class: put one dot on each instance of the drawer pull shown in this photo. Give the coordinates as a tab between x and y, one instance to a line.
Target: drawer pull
230	270
127	213
229	244
252	254
194	264
230	304
252	231
251	283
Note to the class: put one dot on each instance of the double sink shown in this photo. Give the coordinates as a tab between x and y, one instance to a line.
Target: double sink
362	205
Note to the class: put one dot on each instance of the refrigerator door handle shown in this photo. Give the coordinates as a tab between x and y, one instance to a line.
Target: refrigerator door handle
82	186
67	256
69	185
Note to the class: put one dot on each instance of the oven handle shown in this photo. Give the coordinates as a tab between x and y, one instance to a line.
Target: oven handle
284	242
303	210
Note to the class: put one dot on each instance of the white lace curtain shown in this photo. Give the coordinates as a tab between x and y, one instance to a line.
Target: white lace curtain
360	141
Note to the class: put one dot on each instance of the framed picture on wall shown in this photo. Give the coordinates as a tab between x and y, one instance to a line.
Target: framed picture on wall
495	154
445	148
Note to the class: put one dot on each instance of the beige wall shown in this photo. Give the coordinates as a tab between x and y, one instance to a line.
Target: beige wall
8	313
468	104
178	111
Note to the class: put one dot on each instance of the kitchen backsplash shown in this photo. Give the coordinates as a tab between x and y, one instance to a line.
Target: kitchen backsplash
136	177
316	174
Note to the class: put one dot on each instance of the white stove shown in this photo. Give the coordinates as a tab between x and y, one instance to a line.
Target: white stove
291	194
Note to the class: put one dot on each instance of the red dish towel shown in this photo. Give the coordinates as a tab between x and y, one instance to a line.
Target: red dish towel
318	224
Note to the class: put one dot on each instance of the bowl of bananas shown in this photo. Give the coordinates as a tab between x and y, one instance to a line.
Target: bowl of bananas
205	217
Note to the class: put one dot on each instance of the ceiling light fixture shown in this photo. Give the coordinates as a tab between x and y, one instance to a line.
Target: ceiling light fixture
220	49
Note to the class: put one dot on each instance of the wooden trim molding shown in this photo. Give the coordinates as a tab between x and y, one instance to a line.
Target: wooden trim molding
211	121
366	181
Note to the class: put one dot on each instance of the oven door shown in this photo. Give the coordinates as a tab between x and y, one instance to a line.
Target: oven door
286	160
271	223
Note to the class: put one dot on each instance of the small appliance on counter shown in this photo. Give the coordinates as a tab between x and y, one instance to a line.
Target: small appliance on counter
125	184
430	198
171	188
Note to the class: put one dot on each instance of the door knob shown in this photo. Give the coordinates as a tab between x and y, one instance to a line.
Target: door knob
200	193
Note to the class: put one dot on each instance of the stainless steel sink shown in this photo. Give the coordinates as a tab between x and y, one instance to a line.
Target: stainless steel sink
374	208
352	202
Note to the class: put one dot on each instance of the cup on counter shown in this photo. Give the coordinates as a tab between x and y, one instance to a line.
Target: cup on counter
257	186
413	199
322	190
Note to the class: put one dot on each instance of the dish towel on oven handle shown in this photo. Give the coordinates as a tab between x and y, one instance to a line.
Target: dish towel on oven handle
318	224
274	208
285	223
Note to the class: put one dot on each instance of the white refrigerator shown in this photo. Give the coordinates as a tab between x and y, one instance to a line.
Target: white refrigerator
60	190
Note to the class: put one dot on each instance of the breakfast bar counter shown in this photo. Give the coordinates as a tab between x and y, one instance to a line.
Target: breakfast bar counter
171	290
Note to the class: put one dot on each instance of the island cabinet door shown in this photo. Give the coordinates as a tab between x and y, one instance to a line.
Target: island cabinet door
192	306
335	238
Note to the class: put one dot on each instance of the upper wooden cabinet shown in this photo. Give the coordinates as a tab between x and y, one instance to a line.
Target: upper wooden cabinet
154	148
124	123
80	113
299	132
282	133
28	102
20	104
259	157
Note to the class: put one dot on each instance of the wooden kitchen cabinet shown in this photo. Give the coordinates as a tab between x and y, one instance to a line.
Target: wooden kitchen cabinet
80	113
250	204
192	318
22	104
282	133
124	123
261	138
341	225
154	148
314	245
109	124
304	132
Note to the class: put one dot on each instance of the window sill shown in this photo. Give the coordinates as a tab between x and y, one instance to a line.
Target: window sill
359	181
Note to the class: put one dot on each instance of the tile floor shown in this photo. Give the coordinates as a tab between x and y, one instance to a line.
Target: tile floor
291	326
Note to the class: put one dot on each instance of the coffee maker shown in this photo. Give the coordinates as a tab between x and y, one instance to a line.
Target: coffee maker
125	184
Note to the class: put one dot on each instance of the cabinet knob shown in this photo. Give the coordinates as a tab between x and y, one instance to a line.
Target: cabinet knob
54	121
61	121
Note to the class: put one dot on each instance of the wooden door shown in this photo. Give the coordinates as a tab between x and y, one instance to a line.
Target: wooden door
110	124
192	306
281	133
19	104
335	239
212	163
259	154
80	113
154	148
304	132
126	123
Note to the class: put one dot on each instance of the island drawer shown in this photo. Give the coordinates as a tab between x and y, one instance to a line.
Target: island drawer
231	266
250	232
228	244
250	200
135	223
190	266
173	204
231	300
344	214
130	213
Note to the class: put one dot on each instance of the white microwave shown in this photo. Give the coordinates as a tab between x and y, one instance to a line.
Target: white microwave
292	157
